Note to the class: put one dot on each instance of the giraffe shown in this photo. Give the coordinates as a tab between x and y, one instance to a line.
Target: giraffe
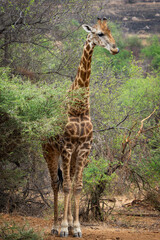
75	144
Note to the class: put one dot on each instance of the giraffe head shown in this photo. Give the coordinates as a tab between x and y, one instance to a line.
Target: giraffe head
101	35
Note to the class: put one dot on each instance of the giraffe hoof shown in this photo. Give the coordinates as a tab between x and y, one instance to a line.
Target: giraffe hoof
70	230
78	234
54	232
63	234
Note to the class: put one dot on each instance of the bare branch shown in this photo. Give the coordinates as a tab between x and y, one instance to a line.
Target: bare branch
41	194
123	120
113	127
125	152
140	130
56	72
20	17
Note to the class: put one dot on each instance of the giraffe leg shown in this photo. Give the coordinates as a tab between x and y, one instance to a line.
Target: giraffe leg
70	217
66	159
54	230
51	156
77	229
64	224
83	153
72	173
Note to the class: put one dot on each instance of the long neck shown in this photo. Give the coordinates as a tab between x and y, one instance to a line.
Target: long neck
84	70
80	103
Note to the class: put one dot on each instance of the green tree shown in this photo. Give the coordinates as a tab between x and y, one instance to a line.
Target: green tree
152	52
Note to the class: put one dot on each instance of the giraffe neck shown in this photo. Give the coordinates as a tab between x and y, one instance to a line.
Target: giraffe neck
80	85
84	69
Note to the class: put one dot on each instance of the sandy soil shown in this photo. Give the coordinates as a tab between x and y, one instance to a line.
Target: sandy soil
91	231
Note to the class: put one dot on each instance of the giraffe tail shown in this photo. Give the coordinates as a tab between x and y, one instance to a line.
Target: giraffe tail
60	178
60	174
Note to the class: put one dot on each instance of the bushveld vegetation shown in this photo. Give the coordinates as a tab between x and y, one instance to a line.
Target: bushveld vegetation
39	53
13	231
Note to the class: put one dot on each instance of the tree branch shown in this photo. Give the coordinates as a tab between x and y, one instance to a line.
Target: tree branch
113	127
58	73
117	125
44	200
127	154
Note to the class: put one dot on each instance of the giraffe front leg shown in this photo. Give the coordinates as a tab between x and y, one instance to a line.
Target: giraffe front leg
76	228
72	173
68	224
64	224
83	152
70	217
66	158
77	193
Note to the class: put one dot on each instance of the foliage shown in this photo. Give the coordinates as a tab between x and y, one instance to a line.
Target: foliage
151	165
153	52
139	92
37	108
97	182
134	41
29	112
95	173
12	231
120	102
152	197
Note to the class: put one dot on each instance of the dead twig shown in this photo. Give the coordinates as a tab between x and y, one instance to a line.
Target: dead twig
141	128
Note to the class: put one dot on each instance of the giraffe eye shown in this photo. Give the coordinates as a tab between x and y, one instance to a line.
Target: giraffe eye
100	34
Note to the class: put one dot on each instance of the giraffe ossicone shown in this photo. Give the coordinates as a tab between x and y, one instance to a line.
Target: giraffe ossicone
75	144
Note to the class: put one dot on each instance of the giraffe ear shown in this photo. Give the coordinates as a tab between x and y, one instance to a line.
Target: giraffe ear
87	28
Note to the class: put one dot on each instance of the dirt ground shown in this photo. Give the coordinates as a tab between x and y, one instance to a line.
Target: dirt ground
135	227
138	17
129	220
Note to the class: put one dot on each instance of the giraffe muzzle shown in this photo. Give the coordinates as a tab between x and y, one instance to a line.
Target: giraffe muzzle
114	51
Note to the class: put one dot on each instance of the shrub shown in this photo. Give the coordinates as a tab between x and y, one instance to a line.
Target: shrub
38	109
11	231
153	52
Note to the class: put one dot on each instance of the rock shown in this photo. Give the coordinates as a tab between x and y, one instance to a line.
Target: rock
146	27
135	19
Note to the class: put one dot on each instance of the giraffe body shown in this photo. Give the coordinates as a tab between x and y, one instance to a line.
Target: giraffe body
75	144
